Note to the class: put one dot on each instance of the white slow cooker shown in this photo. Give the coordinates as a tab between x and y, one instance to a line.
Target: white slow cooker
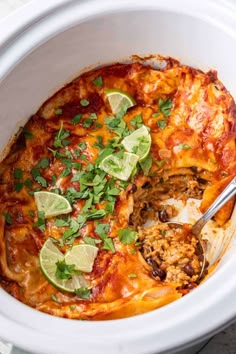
46	44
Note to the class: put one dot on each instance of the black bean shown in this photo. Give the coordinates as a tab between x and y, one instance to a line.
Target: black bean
160	273
131	220
147	185
149	260
191	286
188	269
194	168
163	215
133	189
201	180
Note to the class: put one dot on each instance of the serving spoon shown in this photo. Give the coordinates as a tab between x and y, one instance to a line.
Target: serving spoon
227	193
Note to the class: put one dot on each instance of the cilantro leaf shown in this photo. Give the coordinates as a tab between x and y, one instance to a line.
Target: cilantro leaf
40	223
18	186
28	183
18	173
43	163
160	163
84	102
41	180
162	124
64	271
146	165
137	121
83	293
127	235
7	218
61	135
102	229
165	106
184	146
28	135
108	244
98	81
58	111
76	119
91	240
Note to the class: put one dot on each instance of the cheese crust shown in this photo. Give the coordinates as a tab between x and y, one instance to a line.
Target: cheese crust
193	155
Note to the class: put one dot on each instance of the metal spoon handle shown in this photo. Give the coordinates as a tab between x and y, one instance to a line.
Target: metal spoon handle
227	193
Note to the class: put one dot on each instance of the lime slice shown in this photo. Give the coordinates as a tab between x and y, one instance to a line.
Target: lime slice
48	257
120	168
119	99
138	142
82	256
52	204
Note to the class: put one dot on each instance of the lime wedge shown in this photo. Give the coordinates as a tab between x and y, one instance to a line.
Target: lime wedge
52	204
82	256
48	257
117	99
138	142
120	168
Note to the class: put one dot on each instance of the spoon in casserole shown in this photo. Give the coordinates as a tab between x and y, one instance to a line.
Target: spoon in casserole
196	229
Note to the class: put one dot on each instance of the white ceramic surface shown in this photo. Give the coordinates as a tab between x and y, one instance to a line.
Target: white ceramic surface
45	45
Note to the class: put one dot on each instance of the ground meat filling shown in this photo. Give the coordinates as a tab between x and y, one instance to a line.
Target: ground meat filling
173	254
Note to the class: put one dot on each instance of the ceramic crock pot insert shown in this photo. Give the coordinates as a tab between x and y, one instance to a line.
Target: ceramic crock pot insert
45	46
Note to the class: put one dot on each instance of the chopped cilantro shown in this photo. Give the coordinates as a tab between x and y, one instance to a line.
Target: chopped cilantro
156	114
137	121
28	183
98	81
101	230
43	163
91	240
83	157
146	165
162	232
18	173
162	124
104	153
127	235
7	218
76	119
58	111
82	145
98	144
62	222
40	223
184	146
41	180
165	106
31	213
132	275
54	298
160	163
27	134
98	125
84	102
64	271
83	293
89	121
61	135
18	186
53	181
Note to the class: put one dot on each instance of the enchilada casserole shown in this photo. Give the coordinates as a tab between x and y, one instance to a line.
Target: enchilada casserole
88	172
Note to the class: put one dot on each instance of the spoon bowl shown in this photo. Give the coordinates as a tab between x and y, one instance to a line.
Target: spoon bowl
227	194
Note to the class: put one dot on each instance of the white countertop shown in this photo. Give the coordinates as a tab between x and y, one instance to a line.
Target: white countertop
223	343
